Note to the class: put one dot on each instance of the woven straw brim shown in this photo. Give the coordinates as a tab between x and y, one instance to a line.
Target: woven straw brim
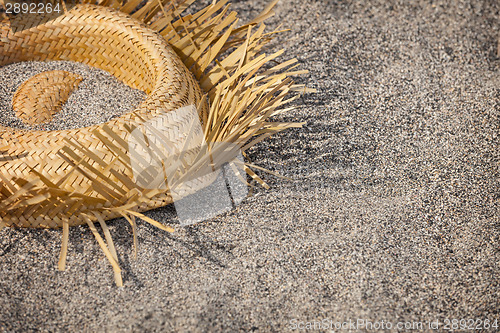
63	178
114	42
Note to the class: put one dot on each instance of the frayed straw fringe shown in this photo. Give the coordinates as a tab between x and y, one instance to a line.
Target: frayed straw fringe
243	93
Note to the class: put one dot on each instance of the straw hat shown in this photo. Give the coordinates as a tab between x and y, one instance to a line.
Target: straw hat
201	62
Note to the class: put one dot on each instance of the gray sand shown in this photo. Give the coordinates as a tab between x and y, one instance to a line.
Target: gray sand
393	214
100	96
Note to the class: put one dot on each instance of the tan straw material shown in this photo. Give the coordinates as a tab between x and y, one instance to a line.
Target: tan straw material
114	42
51	179
38	99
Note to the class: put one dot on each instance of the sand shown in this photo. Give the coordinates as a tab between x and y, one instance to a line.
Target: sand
393	213
100	97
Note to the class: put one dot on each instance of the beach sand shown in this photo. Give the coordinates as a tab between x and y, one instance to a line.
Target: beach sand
392	214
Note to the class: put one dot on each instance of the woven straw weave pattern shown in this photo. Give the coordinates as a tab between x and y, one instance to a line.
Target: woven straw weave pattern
38	99
114	42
